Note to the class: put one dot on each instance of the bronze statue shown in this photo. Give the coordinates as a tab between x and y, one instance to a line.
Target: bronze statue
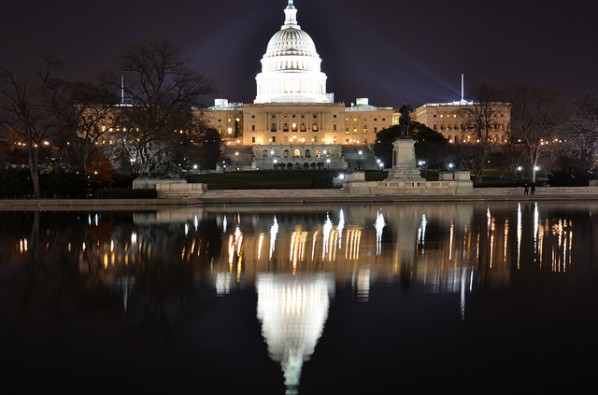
405	121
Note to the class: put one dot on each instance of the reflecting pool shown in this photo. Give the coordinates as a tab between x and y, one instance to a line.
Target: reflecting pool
372	299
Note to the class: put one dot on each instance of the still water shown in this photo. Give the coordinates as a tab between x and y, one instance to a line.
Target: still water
371	299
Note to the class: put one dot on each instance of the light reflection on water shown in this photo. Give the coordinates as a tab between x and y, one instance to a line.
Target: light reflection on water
152	279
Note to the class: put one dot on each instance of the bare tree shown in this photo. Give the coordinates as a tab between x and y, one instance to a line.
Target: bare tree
482	119
580	132
535	116
161	90
25	111
82	111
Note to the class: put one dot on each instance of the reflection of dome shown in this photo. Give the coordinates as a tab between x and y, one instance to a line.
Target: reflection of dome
292	310
291	67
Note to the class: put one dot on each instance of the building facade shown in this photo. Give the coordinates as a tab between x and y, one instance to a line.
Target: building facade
456	120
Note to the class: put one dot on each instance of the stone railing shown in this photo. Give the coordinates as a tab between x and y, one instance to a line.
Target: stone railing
178	190
170	189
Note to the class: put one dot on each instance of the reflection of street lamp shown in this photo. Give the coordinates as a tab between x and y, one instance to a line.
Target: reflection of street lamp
275	161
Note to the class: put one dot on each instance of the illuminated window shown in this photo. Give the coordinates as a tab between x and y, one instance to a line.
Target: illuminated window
314	127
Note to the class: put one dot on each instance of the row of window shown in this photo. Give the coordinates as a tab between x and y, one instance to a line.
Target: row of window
314	128
465	127
455	115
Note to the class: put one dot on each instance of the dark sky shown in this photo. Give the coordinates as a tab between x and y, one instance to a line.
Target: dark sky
391	51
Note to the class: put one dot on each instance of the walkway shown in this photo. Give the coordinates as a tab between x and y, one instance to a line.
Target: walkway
293	197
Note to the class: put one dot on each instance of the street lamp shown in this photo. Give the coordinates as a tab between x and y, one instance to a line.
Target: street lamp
359	156
519	170
328	162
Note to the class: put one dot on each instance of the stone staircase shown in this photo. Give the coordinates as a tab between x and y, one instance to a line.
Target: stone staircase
355	161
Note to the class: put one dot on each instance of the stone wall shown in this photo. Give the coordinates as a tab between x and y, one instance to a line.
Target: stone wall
179	190
169	189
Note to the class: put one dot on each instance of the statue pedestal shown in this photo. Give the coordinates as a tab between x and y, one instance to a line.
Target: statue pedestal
403	161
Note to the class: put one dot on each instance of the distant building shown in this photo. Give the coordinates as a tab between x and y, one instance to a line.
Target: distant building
455	121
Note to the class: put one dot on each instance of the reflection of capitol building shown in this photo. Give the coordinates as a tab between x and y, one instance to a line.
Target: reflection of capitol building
443	248
293	310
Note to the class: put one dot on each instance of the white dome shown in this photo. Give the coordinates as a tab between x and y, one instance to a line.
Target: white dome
291	67
291	42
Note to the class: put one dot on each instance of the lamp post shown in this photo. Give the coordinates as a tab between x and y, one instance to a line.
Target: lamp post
359	158
328	162
422	164
519	170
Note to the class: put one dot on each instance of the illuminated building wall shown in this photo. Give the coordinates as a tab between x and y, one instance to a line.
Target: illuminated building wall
452	120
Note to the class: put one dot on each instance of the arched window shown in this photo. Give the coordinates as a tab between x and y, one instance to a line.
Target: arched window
314	127
307	153
273	127
286	153
296	153
303	127
285	127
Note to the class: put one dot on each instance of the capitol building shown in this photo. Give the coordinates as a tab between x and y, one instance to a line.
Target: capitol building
293	121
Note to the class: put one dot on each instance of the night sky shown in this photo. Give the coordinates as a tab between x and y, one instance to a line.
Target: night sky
392	52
